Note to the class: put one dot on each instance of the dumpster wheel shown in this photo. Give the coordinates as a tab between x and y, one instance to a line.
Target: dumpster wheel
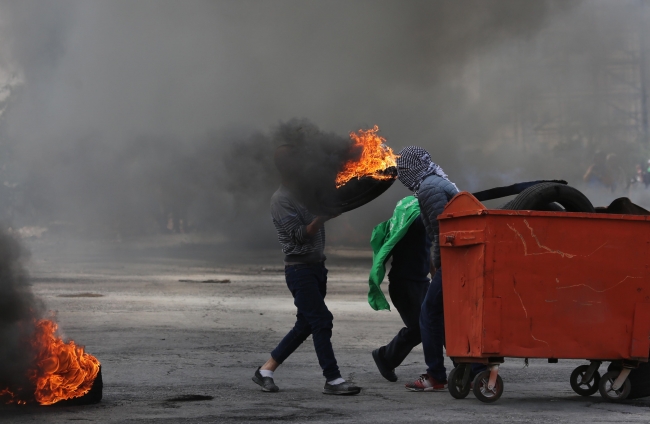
583	388
481	390
456	387
607	390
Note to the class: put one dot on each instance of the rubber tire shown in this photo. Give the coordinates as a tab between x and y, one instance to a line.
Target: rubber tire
482	379
608	379
455	381
505	205
549	207
577	374
539	196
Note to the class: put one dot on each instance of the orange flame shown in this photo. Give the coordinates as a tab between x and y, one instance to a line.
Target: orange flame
62	370
8	394
375	157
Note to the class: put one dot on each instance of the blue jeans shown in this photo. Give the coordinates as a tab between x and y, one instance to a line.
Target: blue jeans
308	285
432	331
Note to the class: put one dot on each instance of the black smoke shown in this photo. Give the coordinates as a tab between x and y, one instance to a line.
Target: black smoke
18	310
133	119
315	159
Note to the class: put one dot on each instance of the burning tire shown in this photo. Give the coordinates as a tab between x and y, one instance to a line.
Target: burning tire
330	182
548	196
355	193
92	397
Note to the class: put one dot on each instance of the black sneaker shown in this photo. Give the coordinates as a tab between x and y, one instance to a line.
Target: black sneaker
344	388
266	383
385	372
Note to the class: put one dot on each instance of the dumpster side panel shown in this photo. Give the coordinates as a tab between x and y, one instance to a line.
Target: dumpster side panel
569	286
491	330
463	264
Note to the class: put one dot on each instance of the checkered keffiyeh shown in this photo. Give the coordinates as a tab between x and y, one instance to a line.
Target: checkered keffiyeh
414	164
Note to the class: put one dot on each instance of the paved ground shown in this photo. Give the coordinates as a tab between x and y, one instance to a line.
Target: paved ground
159	338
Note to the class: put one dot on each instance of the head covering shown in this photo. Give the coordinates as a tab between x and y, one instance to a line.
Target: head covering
414	164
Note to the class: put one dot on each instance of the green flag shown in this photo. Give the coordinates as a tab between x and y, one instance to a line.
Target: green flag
384	237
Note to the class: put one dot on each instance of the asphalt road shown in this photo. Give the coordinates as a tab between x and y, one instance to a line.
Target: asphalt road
162	341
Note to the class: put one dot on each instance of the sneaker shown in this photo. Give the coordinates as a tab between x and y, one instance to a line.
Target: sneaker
266	383
344	388
426	384
387	373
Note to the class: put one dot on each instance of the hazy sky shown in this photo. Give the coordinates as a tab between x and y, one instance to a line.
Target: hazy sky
125	105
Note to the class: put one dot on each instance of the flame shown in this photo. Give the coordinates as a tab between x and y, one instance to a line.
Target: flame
11	397
375	157
61	371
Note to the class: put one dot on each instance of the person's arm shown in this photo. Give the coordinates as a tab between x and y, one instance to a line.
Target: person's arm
432	267
430	233
286	217
316	225
433	199
434	205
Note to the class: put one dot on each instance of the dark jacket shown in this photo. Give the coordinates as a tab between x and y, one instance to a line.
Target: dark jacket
411	255
434	194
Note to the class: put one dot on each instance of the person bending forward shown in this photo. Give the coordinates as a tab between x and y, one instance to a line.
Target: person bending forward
408	284
434	190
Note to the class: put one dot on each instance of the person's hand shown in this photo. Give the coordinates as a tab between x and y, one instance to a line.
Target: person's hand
318	222
316	225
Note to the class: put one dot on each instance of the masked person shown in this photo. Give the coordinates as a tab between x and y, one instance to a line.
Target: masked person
302	236
403	237
434	190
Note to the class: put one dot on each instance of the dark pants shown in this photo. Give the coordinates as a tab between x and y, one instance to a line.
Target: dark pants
407	296
308	285
432	330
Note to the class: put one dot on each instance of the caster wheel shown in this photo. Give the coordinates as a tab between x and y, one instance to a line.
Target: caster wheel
584	389
481	390
606	391
456	388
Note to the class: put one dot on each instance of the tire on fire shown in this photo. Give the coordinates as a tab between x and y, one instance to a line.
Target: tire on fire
550	197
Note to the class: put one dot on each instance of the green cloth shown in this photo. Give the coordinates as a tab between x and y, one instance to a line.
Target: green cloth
384	237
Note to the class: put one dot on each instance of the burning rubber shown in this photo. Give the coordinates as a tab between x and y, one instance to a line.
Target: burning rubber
40	367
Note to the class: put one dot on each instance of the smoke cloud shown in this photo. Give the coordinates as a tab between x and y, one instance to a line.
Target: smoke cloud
131	118
18	309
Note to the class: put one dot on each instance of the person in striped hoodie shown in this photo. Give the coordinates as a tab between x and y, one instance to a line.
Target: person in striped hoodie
302	236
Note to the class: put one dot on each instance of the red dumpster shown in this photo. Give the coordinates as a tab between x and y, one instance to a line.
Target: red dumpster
554	285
